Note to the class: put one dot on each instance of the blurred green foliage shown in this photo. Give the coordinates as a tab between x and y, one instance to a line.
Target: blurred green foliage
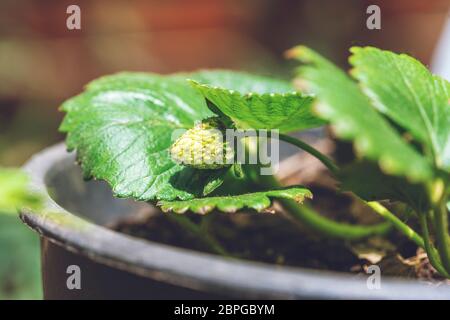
20	274
25	128
19	247
13	191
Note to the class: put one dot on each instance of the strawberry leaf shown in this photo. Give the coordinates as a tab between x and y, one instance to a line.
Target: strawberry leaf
365	179
256	102
121	128
410	95
351	114
258	201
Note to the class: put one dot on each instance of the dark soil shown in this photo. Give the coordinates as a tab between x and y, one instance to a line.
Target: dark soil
264	237
276	239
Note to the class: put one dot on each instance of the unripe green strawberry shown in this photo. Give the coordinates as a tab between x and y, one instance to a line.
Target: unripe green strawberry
203	147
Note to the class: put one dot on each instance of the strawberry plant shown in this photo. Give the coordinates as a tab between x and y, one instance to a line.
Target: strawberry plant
393	109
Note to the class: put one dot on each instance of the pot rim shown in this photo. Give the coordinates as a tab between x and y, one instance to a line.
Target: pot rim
192	269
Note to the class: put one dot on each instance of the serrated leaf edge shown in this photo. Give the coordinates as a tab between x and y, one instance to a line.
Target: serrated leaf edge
189	205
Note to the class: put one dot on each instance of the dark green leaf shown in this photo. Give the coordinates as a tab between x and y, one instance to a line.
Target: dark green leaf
353	118
256	102
403	89
367	181
122	127
258	201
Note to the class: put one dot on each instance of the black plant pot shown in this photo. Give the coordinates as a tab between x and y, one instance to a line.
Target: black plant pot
117	266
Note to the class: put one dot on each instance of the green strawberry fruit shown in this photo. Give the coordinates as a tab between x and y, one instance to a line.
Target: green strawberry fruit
203	147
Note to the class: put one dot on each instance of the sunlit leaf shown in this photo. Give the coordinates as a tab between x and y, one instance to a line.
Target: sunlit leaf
403	89
256	102
351	114
258	201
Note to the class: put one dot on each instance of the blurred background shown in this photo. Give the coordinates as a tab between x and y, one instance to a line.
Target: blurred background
42	63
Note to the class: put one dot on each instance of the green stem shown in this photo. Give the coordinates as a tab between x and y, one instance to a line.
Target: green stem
442	238
439	204
316	221
397	223
198	232
433	255
313	219
381	210
346	231
329	163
